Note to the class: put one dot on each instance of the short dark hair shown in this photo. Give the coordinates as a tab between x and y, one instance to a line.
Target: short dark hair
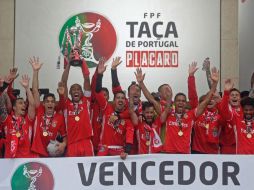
133	83
156	96
119	92
15	101
146	104
244	93
105	89
201	98
180	94
247	101
235	89
49	95
160	87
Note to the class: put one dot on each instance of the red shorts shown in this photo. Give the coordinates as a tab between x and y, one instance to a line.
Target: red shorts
80	148
228	149
109	150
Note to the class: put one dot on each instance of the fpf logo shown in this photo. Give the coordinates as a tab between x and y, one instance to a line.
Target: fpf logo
92	33
32	176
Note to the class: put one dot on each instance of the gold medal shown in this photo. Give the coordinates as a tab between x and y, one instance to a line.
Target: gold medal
249	135
45	133
18	134
77	118
207	126
147	143
180	133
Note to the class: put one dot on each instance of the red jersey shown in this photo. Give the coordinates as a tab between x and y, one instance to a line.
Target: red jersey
149	137
96	114
244	133
96	118
227	136
116	131
206	132
178	132
192	92
18	132
77	116
46	129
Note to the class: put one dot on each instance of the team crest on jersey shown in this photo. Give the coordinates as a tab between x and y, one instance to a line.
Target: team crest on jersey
122	122
54	124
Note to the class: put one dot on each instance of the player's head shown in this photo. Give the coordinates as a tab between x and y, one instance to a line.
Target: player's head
76	92
148	112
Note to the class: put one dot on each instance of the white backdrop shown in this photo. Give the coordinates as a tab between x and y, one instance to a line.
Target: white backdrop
246	43
38	23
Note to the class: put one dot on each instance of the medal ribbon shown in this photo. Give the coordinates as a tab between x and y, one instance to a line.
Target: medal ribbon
18	125
117	122
153	137
148	131
46	124
179	121
248	126
76	108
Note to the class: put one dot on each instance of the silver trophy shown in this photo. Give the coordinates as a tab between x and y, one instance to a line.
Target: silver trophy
75	56
78	32
32	175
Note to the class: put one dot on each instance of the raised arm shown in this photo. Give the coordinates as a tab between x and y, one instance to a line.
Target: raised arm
8	79
31	104
192	92
215	78
61	92
98	90
140	79
167	110
36	65
133	115
86	76
116	87
225	112
65	75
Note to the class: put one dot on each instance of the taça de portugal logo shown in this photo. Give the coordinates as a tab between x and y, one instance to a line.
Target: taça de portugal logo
32	176
92	33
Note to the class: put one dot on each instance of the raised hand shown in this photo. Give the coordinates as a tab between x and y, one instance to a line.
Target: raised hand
25	81
12	75
215	75
35	62
193	68
139	75
101	66
228	85
61	88
116	61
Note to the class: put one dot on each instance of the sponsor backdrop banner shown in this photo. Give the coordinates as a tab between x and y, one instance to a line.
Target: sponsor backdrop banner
163	37
161	171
